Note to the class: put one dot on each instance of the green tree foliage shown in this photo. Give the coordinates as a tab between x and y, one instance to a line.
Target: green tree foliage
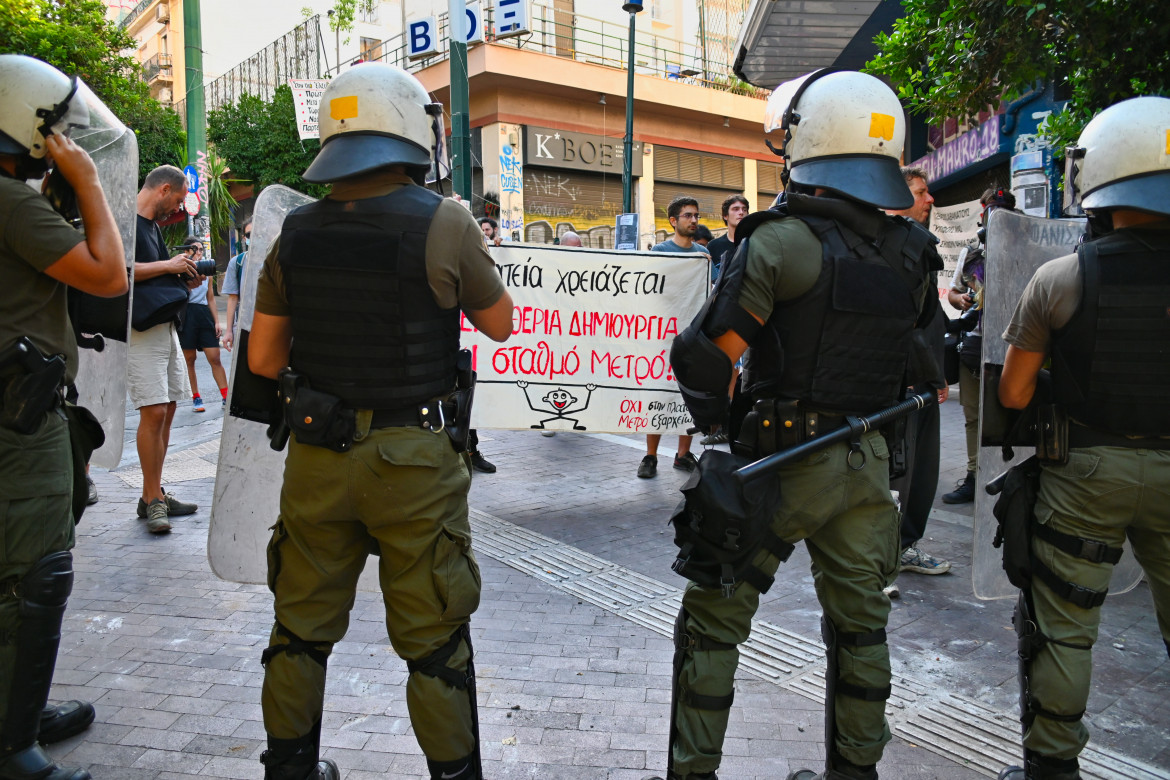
259	141
75	37
954	58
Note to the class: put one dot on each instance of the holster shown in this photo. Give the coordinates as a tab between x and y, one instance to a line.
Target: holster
895	436
318	419
1052	444
1013	511
36	388
459	426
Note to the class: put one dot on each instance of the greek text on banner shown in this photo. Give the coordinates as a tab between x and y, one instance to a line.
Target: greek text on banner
306	101
590	345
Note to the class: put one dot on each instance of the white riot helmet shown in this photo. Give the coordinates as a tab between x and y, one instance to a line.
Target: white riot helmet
375	115
36	100
842	131
1122	159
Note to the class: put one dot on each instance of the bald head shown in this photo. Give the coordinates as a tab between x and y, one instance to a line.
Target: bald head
570	239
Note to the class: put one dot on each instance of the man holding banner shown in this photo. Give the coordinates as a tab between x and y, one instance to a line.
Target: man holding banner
373	459
828	293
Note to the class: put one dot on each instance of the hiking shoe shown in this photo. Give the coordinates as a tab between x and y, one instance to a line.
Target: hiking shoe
686	462
91	497
919	562
964	492
197	404
892	591
61	721
175	507
480	463
719	437
156	517
648	467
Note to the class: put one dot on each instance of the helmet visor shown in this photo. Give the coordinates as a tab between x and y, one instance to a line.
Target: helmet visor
89	122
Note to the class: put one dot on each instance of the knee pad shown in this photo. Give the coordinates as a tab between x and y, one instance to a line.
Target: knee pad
834	639
1030	643
318	651
42	594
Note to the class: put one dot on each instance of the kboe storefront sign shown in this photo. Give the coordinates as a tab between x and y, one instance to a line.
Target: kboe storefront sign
552	148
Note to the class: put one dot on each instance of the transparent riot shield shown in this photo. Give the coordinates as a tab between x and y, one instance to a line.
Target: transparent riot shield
250	472
1017	245
102	325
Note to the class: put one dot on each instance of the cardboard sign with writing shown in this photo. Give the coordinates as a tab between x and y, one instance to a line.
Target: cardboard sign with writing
591	340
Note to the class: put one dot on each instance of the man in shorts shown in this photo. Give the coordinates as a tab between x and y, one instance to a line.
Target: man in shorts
155	378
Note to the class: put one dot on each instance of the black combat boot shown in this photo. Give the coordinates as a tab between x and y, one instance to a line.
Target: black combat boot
1044	768
839	769
64	720
298	759
964	492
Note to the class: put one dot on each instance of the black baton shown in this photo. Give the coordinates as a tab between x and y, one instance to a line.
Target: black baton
854	427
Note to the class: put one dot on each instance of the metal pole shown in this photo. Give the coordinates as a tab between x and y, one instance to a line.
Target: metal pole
193	66
628	167
460	119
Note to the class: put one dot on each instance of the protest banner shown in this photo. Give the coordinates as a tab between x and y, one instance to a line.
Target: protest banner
306	102
956	227
591	340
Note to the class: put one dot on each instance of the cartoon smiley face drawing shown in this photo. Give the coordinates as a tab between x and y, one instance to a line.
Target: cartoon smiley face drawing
559	399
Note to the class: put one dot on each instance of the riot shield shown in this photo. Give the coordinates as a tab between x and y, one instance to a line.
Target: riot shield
1017	245
250	472
102	325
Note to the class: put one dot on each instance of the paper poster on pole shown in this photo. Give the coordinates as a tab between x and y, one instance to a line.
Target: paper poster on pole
956	227
591	340
306	101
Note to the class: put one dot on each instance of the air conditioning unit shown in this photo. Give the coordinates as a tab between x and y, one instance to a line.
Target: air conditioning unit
163	12
164	96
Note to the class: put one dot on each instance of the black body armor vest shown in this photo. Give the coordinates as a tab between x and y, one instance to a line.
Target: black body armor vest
366	327
1111	362
843	346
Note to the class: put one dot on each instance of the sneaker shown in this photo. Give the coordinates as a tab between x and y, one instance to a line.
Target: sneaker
719	437
919	562
964	492
156	517
91	497
648	467
197	404
175	507
686	462
548	434
892	591
64	720
480	463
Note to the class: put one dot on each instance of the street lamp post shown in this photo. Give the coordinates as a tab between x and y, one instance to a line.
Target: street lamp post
633	8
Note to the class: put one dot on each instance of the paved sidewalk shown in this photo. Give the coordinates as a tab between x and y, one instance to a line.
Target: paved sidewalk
572	653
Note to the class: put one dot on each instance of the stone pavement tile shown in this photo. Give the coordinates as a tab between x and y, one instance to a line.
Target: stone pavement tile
231	768
169	740
233	747
166	760
134	716
190	704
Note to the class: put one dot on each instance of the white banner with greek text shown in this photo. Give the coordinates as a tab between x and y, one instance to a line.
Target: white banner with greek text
955	227
306	102
591	340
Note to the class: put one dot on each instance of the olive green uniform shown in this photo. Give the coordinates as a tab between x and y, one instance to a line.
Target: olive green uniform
969	381
36	480
850	526
399	491
1107	494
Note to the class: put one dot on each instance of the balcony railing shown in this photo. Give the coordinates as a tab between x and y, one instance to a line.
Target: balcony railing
158	66
595	41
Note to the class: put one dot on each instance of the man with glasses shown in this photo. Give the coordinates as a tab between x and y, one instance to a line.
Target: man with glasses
683	213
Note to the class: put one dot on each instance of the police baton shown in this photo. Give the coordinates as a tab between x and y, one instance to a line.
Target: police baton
852	430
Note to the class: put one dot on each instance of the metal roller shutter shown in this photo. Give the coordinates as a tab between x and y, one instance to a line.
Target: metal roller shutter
558	200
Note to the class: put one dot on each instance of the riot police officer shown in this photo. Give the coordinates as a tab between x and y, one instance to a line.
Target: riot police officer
40	255
1100	315
361	298
826	290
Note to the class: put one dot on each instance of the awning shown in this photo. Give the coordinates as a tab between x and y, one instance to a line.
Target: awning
783	39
